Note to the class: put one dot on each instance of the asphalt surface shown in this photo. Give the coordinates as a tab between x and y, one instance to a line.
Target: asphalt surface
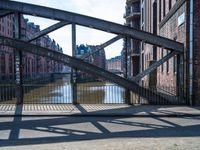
117	133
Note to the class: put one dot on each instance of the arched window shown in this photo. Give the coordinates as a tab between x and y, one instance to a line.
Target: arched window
33	66
10	64
3	67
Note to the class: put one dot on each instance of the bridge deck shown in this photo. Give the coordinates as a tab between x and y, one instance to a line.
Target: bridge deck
96	110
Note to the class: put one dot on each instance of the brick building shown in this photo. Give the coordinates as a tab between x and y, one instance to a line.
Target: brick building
148	53
98	59
33	66
114	64
177	20
6	53
132	17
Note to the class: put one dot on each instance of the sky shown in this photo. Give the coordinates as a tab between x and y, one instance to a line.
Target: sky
111	10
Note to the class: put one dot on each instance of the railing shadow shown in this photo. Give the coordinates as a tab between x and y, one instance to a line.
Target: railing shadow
14	132
33	130
129	110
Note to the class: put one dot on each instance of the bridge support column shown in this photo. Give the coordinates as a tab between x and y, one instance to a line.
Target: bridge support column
128	97
127	91
18	62
180	78
74	71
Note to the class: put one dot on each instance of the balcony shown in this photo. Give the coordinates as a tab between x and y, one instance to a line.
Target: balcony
133	15
134	54
132	11
131	1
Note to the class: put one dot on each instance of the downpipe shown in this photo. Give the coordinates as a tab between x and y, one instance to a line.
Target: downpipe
191	101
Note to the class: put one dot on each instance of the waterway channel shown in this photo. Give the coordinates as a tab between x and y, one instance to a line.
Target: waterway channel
60	91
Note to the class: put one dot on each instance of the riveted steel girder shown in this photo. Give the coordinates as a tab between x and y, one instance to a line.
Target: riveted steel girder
91	22
48	30
102	46
81	65
4	13
154	66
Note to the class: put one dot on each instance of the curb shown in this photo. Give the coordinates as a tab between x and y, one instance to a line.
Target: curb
100	115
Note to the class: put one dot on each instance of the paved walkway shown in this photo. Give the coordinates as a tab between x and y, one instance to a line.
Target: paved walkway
99	133
117	127
97	110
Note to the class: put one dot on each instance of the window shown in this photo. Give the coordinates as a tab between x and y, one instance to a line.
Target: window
162	53
142	15
142	62
82	52
164	8
145	61
159	10
154	18
167	64
170	4
175	64
2	64
10	65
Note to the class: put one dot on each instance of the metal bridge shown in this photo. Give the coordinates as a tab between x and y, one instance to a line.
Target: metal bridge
69	18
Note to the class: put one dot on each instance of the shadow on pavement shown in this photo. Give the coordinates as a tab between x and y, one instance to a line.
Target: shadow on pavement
44	130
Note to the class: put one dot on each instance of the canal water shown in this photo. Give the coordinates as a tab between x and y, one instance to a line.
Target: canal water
60	91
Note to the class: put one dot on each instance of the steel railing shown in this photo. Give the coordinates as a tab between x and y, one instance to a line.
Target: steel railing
7	93
100	93
87	93
166	96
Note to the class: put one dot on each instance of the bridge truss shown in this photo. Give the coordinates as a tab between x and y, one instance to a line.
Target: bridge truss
66	18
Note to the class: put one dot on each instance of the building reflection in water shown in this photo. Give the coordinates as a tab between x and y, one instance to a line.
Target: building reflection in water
60	92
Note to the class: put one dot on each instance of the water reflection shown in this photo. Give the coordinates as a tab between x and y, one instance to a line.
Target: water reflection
100	92
60	91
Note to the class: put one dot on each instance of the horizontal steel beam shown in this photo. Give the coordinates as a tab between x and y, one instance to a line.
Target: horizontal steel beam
48	30
4	13
91	22
153	66
79	64
102	46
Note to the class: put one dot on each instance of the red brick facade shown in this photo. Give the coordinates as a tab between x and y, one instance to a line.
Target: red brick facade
132	16
6	53
196	52
33	66
173	22
114	64
167	73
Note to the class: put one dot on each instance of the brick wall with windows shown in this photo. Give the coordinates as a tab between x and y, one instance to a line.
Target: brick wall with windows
167	73
164	22
6	53
196	52
132	17
32	64
148	52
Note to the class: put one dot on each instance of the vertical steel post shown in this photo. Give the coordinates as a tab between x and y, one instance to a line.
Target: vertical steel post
126	59
127	92
180	77
74	71
18	61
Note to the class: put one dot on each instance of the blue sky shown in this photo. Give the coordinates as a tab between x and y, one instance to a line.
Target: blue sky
111	10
